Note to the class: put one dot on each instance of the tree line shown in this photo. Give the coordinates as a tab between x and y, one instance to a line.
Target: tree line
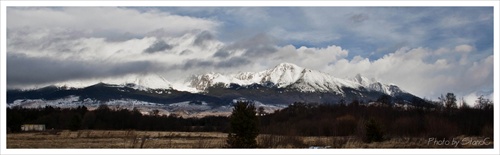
374	122
444	120
104	118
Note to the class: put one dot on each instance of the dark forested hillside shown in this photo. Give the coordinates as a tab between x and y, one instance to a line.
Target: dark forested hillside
299	119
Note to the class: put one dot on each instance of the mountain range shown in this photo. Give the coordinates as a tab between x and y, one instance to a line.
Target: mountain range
277	87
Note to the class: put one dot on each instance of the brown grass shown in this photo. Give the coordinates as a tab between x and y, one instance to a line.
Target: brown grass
116	139
163	139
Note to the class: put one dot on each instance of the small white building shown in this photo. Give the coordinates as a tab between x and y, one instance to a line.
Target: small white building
33	127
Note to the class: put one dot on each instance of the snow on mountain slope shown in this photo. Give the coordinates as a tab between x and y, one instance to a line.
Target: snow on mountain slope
292	76
152	81
375	85
184	109
140	82
283	75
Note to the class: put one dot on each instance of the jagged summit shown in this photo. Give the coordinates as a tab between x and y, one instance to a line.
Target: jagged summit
284	76
373	84
361	80
288	75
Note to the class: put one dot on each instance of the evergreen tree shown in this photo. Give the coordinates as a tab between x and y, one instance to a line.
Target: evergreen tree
75	122
243	126
88	120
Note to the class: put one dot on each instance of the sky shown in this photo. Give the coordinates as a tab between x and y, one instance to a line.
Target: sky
427	51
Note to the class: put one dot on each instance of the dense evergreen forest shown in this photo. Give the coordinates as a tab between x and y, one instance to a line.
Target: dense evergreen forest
104	118
299	119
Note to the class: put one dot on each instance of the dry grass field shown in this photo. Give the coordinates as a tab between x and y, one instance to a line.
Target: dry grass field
162	139
116	139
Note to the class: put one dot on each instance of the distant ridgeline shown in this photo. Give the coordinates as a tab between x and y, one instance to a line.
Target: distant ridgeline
274	88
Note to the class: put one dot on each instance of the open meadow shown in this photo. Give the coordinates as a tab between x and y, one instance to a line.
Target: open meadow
165	140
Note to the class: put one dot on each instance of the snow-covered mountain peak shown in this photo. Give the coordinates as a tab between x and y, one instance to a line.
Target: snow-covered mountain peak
201	82
373	84
283	74
364	81
287	66
152	81
287	75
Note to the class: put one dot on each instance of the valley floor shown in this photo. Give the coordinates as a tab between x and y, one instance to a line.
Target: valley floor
163	139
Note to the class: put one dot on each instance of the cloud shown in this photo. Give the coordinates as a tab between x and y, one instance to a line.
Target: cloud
99	21
186	52
76	43
381	30
222	53
315	58
418	49
464	48
196	63
202	37
259	45
24	70
413	70
158	46
470	99
233	62
216	65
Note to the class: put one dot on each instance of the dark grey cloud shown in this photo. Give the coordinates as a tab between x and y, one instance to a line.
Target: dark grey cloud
227	63
111	36
43	39
233	62
23	70
222	53
197	63
186	52
158	46
257	46
203	37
